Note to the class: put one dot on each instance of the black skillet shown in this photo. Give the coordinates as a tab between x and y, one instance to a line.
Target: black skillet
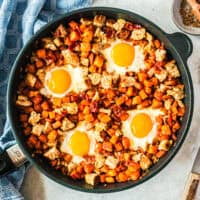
180	48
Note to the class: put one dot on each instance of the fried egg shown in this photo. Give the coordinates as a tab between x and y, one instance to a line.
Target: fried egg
141	127
79	142
61	80
123	57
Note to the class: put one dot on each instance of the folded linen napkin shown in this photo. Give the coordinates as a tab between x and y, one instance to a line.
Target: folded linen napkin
19	19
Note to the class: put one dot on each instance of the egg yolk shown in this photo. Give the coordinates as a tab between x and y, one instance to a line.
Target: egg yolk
141	125
123	54
79	143
59	81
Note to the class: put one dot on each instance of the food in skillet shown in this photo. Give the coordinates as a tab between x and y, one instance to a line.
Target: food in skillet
101	100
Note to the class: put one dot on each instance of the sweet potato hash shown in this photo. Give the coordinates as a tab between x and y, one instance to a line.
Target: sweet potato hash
101	100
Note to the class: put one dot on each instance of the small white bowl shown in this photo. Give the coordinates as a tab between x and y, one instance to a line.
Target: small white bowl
177	18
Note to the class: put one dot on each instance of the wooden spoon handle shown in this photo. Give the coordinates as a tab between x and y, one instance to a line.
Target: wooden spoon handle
191	187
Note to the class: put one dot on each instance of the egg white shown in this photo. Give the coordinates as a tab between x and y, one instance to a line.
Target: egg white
137	64
77	75
141	142
65	144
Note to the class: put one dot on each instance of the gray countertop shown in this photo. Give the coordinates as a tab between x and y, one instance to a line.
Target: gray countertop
169	183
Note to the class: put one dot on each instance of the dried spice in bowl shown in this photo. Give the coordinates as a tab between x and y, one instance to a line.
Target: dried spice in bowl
188	16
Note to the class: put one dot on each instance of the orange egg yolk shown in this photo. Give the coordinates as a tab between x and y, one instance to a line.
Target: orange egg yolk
59	81
123	54
141	125
79	143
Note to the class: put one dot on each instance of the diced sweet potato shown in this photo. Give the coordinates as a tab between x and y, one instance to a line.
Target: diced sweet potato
156	103
104	118
122	177
143	95
107	146
87	35
125	142
98	61
52	135
73	25
142	76
39	63
109	179
74	36
136	100
166	130
88	168
41	53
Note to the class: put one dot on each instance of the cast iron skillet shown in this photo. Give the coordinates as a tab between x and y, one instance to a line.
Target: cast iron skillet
178	44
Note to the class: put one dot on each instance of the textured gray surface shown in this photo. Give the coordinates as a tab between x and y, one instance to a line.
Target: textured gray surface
169	183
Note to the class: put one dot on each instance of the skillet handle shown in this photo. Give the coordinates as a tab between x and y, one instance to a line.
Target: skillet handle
182	43
11	159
